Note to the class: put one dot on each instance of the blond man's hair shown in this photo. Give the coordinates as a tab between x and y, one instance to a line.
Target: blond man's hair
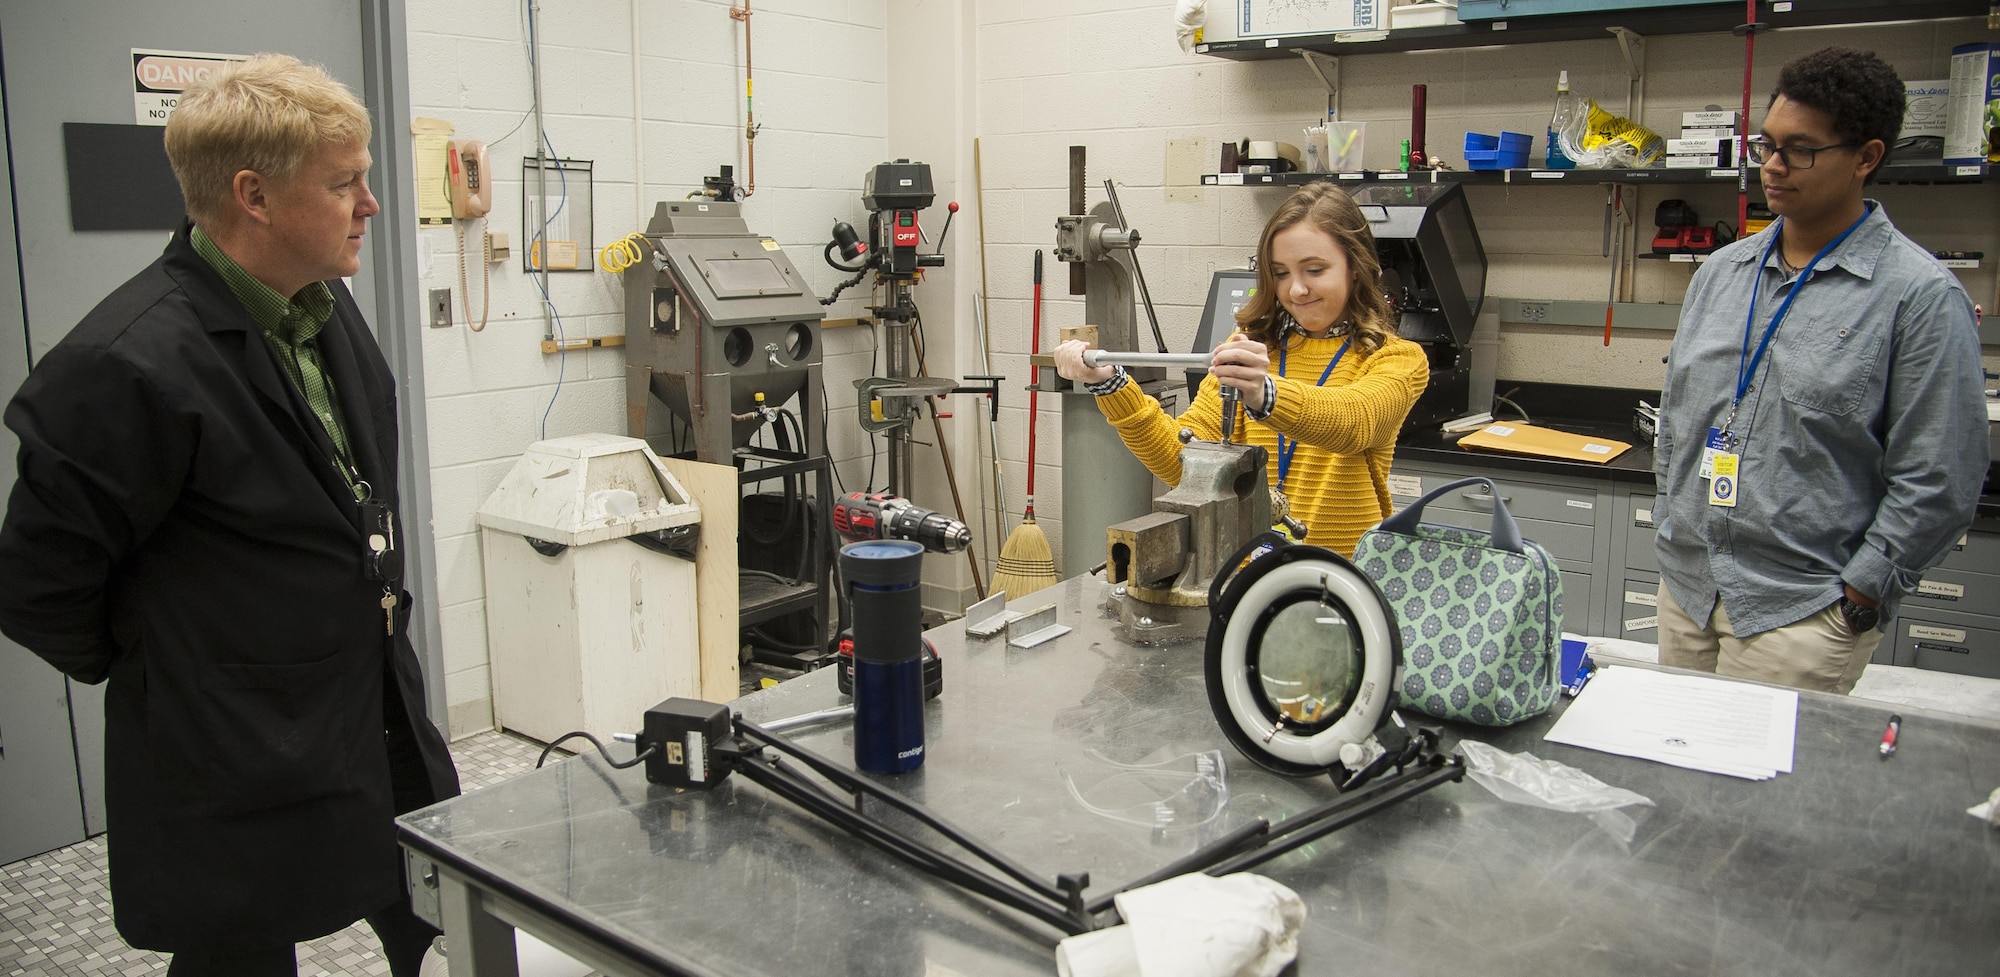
267	114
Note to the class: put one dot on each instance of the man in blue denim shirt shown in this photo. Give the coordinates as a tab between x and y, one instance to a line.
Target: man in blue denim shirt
1823	432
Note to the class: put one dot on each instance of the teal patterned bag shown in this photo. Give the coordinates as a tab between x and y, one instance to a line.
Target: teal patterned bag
1480	613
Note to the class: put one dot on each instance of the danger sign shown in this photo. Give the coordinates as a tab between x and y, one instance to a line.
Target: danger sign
159	77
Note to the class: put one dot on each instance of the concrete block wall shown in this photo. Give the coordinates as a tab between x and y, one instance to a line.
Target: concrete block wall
652	94
1107	74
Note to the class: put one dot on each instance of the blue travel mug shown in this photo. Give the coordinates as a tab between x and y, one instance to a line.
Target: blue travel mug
883	578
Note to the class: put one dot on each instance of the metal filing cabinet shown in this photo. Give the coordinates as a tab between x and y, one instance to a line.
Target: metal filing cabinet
1949	624
1635	607
1568	517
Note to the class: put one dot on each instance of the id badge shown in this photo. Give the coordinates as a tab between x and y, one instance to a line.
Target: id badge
1717	441
1724	485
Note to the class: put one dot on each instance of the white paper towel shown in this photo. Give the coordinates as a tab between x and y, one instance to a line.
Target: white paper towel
1241	925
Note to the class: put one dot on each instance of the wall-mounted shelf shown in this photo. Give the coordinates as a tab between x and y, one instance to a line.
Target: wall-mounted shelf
1652	22
1895	174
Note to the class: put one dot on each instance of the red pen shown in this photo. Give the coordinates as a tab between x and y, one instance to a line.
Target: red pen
1889	736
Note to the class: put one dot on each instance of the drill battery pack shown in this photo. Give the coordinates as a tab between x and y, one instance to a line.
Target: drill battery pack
933	668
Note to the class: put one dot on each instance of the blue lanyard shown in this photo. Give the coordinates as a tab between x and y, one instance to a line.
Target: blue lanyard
1746	364
1286	446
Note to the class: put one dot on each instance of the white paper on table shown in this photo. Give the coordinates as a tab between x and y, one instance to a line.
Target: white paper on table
1691	721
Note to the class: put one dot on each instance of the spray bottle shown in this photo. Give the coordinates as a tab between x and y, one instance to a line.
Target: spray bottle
1569	111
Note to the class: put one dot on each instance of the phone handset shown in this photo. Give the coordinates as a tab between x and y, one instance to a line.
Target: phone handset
471	181
471	197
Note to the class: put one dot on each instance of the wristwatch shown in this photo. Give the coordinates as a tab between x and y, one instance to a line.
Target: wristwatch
1861	619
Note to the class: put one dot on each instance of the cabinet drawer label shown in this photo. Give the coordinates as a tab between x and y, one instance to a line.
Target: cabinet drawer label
1642	517
1954	649
1409	485
1641	623
1938	588
1954	635
1580	504
1650	598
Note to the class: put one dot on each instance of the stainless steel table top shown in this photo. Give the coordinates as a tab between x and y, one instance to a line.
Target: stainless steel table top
1852	864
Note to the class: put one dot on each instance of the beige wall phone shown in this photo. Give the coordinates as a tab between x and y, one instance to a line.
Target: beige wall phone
472	197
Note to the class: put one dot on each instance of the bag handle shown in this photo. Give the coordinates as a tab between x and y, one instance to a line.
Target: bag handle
1506	535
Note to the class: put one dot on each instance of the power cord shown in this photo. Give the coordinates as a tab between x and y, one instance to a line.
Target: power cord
601	751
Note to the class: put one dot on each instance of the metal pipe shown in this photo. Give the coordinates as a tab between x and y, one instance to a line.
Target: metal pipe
1112	357
810	719
541	176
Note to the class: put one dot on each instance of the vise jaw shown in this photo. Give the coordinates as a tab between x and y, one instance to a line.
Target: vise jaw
1168	557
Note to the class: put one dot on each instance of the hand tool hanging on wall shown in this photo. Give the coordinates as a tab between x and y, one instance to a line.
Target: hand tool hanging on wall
1749	30
1617	227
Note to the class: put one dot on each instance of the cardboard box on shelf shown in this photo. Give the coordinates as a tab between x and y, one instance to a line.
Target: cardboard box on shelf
1974	104
1710	132
1709	117
1280	18
1926	107
1720	148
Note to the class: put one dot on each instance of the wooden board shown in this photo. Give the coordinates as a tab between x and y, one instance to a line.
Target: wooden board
714	488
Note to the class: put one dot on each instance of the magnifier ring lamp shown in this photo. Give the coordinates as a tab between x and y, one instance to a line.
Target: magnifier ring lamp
1301	657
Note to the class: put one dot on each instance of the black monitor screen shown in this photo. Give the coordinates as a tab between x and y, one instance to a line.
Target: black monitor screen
1227	292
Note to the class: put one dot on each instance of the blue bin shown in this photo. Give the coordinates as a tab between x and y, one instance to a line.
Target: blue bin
1508	150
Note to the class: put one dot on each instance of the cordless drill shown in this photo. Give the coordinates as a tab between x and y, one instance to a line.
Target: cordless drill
863	517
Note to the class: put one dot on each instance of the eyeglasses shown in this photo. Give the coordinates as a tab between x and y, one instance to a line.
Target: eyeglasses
1796	157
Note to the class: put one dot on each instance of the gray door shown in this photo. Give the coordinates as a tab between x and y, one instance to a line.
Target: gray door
39	809
70	61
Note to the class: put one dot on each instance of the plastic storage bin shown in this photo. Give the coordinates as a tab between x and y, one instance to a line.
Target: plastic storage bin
1431	13
1508	150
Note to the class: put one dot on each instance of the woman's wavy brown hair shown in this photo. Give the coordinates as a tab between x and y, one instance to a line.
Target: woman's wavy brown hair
1329	208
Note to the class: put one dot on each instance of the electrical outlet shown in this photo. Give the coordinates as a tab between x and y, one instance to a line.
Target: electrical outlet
1534	311
440	307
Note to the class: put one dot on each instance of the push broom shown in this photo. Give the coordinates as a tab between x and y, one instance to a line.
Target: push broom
1025	564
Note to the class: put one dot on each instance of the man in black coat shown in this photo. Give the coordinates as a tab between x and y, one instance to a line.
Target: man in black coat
206	519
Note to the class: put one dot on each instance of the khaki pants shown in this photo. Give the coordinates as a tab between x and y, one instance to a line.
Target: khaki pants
1819	652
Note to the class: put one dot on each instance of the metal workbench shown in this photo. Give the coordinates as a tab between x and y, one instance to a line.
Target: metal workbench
1851	865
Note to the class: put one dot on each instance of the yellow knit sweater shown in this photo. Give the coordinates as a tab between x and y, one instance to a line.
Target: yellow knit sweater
1339	478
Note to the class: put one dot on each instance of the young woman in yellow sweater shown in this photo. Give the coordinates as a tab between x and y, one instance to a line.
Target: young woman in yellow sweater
1324	379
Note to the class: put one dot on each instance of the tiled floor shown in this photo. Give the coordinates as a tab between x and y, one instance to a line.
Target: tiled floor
55	912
